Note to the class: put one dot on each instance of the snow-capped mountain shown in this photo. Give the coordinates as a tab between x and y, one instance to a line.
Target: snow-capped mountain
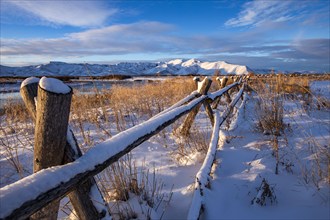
172	67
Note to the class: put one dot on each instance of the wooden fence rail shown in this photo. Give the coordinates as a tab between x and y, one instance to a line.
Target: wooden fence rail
202	180
21	199
87	205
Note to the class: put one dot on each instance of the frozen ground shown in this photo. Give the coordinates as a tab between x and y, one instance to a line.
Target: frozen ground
244	158
321	88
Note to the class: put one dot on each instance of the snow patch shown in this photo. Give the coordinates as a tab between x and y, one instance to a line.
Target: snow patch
54	85
29	80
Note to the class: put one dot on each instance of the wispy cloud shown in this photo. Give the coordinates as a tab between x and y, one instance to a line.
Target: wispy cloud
140	37
73	13
152	38
115	39
257	12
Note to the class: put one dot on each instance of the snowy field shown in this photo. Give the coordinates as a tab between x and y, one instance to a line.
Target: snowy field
321	88
244	159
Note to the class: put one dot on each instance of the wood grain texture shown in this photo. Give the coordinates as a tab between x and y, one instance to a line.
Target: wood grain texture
189	120
80	196
52	116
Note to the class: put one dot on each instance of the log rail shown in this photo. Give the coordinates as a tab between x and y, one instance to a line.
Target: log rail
21	199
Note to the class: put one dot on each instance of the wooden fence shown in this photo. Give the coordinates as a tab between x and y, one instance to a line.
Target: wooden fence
28	196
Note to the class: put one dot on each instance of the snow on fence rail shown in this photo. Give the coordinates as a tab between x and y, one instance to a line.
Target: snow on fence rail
203	175
21	199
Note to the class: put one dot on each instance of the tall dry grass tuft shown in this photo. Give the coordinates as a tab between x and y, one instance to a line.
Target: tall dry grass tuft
16	140
15	112
192	148
269	108
147	99
269	111
123	182
91	110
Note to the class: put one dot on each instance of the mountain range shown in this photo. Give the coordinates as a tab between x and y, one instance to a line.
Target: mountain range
172	67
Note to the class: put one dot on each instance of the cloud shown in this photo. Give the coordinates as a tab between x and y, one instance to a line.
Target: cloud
276	61
73	13
115	39
156	39
318	48
141	37
257	12
297	55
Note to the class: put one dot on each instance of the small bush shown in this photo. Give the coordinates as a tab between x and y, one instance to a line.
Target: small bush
15	112
265	193
269	108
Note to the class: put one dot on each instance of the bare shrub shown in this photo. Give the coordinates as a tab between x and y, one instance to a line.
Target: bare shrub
15	112
319	167
265	193
269	112
149	99
269	108
123	181
192	147
16	141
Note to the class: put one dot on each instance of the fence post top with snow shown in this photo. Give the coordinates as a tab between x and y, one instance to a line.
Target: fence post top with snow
54	85
30	80
203	86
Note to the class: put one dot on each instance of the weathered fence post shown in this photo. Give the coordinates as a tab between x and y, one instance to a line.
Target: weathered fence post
237	79
53	109
29	90
202	88
209	111
80	197
222	83
196	80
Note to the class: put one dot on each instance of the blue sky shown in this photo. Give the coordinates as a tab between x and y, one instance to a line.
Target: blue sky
284	34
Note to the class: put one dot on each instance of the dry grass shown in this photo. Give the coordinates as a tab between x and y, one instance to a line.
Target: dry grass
269	108
288	85
269	111
125	106
121	105
123	181
15	112
151	98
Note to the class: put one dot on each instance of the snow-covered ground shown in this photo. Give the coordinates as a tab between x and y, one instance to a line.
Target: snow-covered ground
244	158
321	88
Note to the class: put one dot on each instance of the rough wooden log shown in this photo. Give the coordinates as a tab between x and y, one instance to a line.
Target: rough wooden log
202	177
24	208
237	79
80	197
196	80
29	90
222	83
202	88
209	111
52	116
228	99
82	201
